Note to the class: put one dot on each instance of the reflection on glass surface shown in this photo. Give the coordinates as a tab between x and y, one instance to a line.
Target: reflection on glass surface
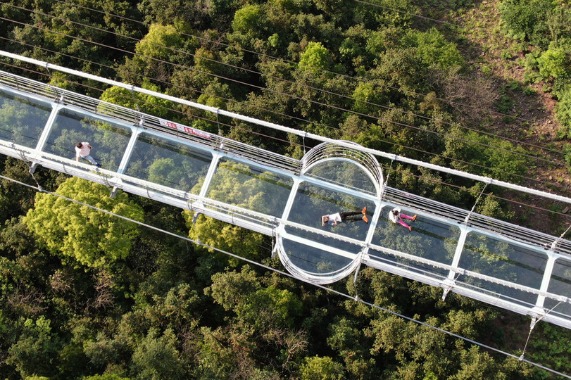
109	140
22	120
429	239
168	163
343	173
312	202
250	187
316	238
503	260
560	284
314	260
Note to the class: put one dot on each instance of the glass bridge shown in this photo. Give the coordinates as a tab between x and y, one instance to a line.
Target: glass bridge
512	267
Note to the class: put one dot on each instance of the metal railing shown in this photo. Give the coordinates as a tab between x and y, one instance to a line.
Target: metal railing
100	108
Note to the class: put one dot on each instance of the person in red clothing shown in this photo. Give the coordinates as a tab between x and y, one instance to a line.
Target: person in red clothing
396	216
339	217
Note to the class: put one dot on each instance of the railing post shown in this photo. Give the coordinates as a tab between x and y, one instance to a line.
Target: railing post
46	131
451	279
135	132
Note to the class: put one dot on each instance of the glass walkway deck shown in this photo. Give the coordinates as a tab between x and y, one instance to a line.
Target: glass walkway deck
514	268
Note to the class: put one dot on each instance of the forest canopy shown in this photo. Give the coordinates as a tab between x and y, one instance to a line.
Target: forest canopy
85	295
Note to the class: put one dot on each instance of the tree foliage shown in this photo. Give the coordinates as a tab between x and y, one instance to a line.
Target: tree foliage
86	295
79	232
527	19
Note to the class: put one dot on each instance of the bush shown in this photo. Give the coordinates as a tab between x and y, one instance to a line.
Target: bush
563	113
567	155
553	63
527	20
247	19
315	58
433	49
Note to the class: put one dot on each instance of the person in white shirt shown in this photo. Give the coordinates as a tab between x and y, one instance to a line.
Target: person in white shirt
83	150
339	217
396	216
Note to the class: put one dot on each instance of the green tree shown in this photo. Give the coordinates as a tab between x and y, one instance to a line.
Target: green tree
321	368
36	351
105	376
490	156
161	42
264	317
139	101
247	19
190	15
432	49
269	307
215	359
224	236
231	289
527	19
239	185
161	45
165	172
83	234
554	63
15	200
157	357
78	34
348	339
563	112
315	58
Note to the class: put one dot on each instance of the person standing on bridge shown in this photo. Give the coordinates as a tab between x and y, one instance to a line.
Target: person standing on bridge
396	216
83	150
339	217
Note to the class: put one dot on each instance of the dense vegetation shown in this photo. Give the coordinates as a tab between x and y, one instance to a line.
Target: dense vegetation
86	295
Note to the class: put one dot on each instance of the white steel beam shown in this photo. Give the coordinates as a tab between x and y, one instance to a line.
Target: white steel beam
296	132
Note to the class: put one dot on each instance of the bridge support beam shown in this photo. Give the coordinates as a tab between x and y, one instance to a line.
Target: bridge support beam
56	107
135	132
451	279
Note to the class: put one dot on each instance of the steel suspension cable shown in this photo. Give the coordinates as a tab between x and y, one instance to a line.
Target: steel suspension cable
297	144
298	98
291	130
280	272
336	74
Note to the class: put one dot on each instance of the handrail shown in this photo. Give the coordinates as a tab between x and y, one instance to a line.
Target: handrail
296	132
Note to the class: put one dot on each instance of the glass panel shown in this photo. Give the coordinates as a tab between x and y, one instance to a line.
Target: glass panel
506	261
22	120
169	163
109	140
250	187
430	239
312	202
343	173
560	284
315	260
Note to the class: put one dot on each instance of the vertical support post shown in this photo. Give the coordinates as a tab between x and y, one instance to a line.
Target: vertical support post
373	225
211	170
449	282
384	185
370	234
275	237
360	258
289	203
280	229
46	131
204	189
135	132
545	281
